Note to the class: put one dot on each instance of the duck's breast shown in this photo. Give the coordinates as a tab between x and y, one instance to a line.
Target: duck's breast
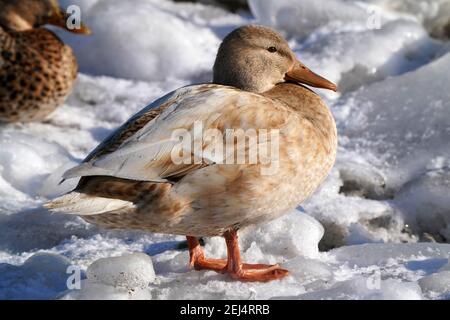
244	194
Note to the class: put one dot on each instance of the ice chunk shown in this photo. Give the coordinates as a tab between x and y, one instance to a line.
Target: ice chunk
41	276
116	278
295	234
425	203
349	218
128	271
360	179
437	284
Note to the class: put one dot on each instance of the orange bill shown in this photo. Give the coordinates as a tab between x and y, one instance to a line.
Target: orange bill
301	74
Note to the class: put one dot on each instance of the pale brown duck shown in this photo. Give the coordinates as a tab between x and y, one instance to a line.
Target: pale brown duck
134	179
37	70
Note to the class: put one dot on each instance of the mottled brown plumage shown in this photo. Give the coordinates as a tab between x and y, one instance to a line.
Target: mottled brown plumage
37	70
131	180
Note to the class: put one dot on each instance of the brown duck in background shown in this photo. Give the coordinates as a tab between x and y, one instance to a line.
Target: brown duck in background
37	70
130	181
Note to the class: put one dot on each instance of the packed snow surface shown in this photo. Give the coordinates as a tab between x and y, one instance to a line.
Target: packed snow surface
379	228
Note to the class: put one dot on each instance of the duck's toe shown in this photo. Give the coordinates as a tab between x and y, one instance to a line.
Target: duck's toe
218	265
259	273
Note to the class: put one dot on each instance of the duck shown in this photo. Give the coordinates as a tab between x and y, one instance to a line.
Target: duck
37	70
173	167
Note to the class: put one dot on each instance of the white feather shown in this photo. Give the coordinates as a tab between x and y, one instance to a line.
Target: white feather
82	204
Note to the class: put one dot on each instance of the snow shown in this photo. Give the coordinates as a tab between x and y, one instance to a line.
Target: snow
178	41
379	227
434	14
42	276
305	16
436	284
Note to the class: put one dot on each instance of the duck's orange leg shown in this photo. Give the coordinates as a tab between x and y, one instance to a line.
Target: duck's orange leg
248	272
197	258
233	265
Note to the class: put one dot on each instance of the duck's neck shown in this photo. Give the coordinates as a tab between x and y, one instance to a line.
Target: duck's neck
310	107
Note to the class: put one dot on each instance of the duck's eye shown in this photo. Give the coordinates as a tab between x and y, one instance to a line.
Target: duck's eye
272	49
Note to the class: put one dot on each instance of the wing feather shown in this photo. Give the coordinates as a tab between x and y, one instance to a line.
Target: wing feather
146	154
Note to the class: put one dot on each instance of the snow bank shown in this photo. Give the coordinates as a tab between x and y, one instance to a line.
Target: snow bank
396	48
434	14
174	42
391	177
415	105
302	17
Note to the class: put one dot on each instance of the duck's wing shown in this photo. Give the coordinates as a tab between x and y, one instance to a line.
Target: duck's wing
130	127
7	51
144	148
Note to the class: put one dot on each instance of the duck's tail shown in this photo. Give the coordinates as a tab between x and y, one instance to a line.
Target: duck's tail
82	204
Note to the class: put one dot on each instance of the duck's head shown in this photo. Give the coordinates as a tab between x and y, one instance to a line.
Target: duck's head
21	15
256	58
